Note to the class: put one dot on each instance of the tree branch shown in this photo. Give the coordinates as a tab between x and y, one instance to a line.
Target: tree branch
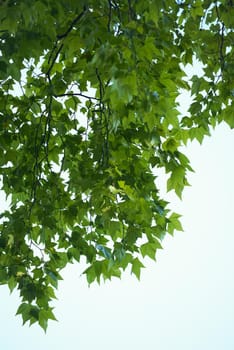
62	36
77	94
54	59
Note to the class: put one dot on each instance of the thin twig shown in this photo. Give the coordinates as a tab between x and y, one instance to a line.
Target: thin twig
64	35
221	41
54	59
109	16
77	94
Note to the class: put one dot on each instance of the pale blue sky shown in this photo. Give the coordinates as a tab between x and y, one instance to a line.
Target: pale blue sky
183	302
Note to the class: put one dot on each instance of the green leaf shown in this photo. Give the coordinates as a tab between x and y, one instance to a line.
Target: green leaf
149	249
170	145
177	180
70	103
174	223
53	278
136	267
12	283
106	251
10	241
196	85
228	117
44	316
43	319
90	274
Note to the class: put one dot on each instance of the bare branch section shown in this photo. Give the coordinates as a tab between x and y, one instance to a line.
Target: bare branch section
78	94
74	22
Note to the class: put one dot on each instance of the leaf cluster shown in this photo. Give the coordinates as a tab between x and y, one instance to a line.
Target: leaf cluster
88	114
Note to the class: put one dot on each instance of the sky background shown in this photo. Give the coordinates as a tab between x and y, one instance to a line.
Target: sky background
183	302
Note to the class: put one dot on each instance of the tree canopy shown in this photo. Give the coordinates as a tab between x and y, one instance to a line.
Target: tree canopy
88	114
